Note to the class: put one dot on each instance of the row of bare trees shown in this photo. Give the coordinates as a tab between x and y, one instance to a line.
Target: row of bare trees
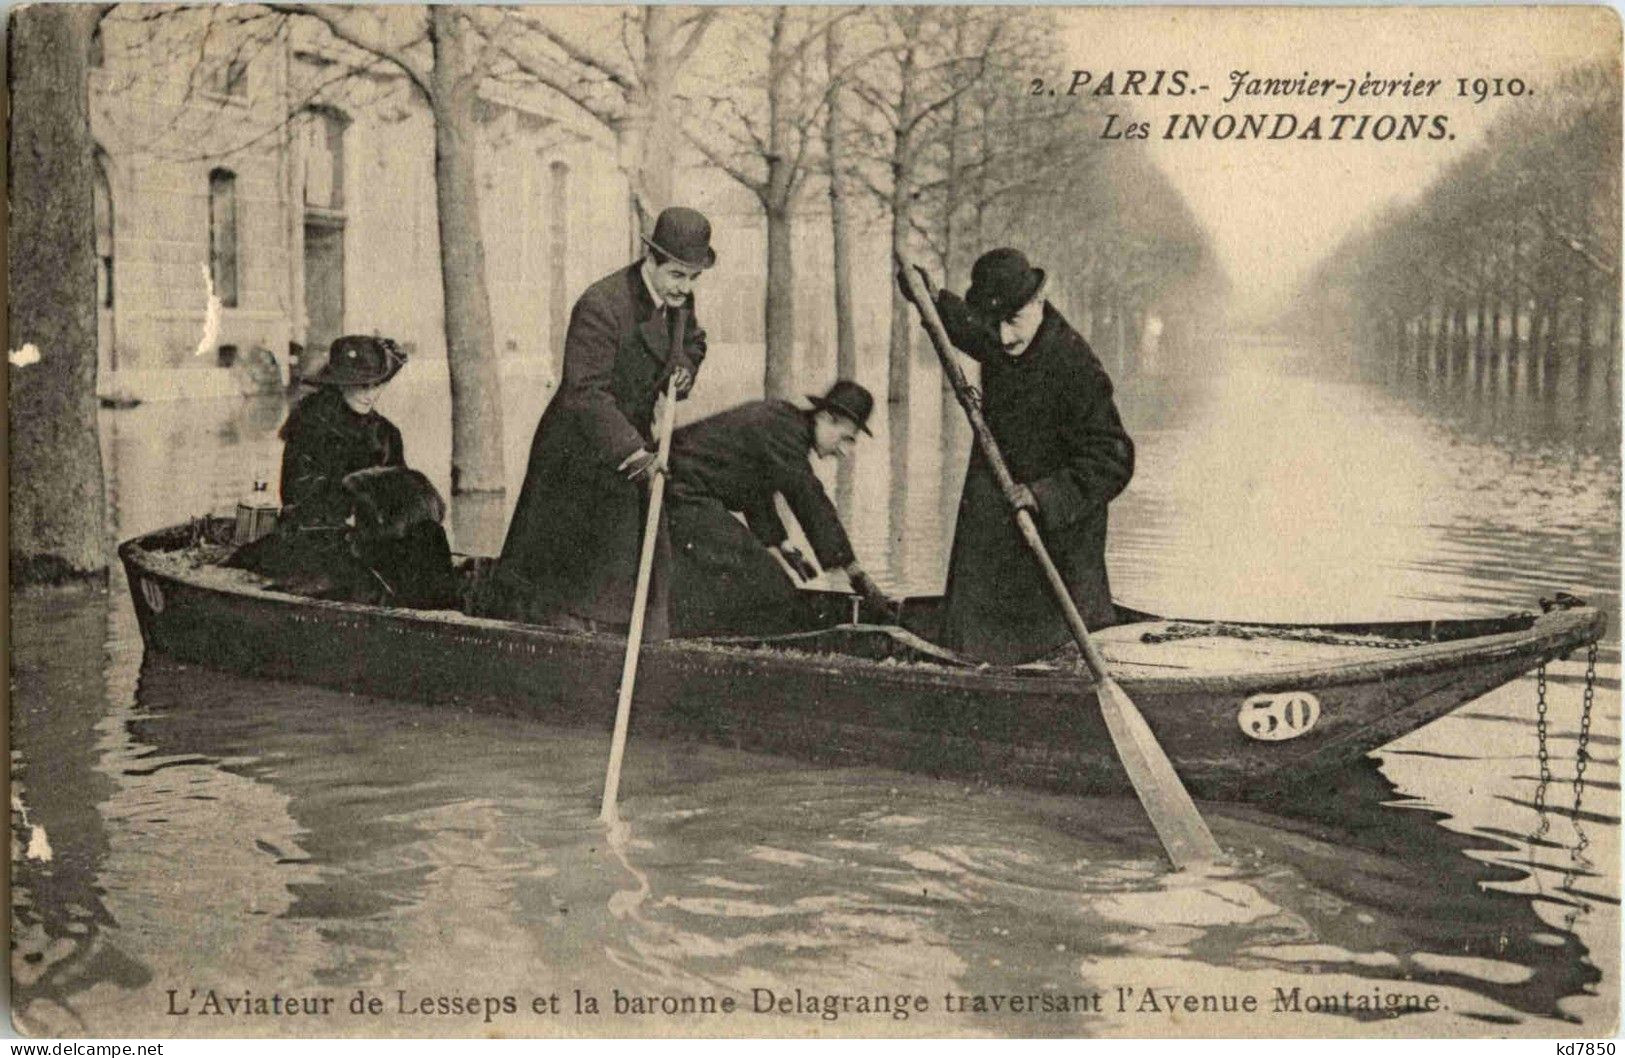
1512	255
907	119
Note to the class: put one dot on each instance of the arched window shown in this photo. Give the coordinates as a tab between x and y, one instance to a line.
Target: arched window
323	131
102	204
103	201
558	209
223	235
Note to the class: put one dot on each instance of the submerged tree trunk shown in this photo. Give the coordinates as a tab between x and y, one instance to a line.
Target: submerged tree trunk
840	225
899	345
779	375
58	511
476	405
778	195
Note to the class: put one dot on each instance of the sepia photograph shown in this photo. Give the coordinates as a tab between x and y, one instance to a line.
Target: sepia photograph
814	521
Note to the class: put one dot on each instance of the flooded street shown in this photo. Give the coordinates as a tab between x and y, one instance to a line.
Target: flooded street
193	836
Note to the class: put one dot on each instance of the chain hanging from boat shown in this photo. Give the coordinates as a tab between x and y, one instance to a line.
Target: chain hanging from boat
1544	756
1579	862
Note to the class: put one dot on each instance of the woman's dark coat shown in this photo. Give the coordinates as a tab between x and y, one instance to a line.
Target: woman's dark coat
573	545
724	579
1051	411
324	440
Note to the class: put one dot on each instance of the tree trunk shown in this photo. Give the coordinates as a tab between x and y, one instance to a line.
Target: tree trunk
476	404
652	124
899	346
780	373
1480	346
1461	348
58	510
1439	318
840	224
779	330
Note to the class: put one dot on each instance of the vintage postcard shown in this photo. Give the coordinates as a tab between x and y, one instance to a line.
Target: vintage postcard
894	521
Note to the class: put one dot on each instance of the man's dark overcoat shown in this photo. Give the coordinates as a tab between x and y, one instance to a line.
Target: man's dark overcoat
573	545
1051	411
724	579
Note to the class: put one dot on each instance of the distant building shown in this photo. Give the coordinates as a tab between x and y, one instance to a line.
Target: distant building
298	182
312	214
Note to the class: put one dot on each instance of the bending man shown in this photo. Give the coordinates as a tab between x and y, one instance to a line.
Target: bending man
726	579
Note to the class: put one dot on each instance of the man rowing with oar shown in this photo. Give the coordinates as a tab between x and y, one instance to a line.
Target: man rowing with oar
1049	405
725	576
572	552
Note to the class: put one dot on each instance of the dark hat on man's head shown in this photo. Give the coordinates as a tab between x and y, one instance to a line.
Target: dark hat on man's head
849	400
1001	282
684	235
360	360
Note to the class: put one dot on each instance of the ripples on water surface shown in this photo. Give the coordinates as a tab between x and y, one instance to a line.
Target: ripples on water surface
207	831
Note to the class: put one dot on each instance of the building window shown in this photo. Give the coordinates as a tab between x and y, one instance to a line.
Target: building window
558	209
103	205
323	133
223	235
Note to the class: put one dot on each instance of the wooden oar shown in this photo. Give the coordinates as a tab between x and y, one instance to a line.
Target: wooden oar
1173	815
640	595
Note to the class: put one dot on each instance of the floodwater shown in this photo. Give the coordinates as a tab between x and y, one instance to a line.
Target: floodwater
191	846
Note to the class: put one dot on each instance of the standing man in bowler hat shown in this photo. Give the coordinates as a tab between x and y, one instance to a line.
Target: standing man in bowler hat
571	555
726	578
1049	404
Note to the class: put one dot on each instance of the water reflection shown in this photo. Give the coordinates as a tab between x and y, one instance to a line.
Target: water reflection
231	833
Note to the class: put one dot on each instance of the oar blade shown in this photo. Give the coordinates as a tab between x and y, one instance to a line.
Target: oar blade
1173	815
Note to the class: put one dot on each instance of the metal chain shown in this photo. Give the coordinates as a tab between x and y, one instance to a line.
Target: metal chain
1578	860
1582	753
1545	760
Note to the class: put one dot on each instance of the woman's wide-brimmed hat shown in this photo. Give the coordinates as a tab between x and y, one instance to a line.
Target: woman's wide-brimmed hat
684	235
1001	282
361	360
847	399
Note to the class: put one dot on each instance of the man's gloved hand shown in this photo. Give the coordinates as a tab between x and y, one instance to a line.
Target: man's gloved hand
641	464
1024	500
798	562
925	279
865	586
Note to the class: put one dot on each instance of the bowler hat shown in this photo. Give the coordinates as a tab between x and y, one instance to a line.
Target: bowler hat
361	360
684	235
1001	282
847	399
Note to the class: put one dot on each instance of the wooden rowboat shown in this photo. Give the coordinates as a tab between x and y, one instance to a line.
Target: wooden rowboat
1242	710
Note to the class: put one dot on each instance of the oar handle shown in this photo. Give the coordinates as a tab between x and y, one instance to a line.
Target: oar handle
640	594
995	461
956	377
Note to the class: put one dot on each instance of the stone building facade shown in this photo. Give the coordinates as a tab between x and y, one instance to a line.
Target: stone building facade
296	185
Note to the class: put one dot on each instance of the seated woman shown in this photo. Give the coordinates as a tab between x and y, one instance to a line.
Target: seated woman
338	522
335	431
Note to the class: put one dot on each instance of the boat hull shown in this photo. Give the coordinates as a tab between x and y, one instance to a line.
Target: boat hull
980	725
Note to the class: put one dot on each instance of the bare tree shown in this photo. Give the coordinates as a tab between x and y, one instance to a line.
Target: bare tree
620	66
762	130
